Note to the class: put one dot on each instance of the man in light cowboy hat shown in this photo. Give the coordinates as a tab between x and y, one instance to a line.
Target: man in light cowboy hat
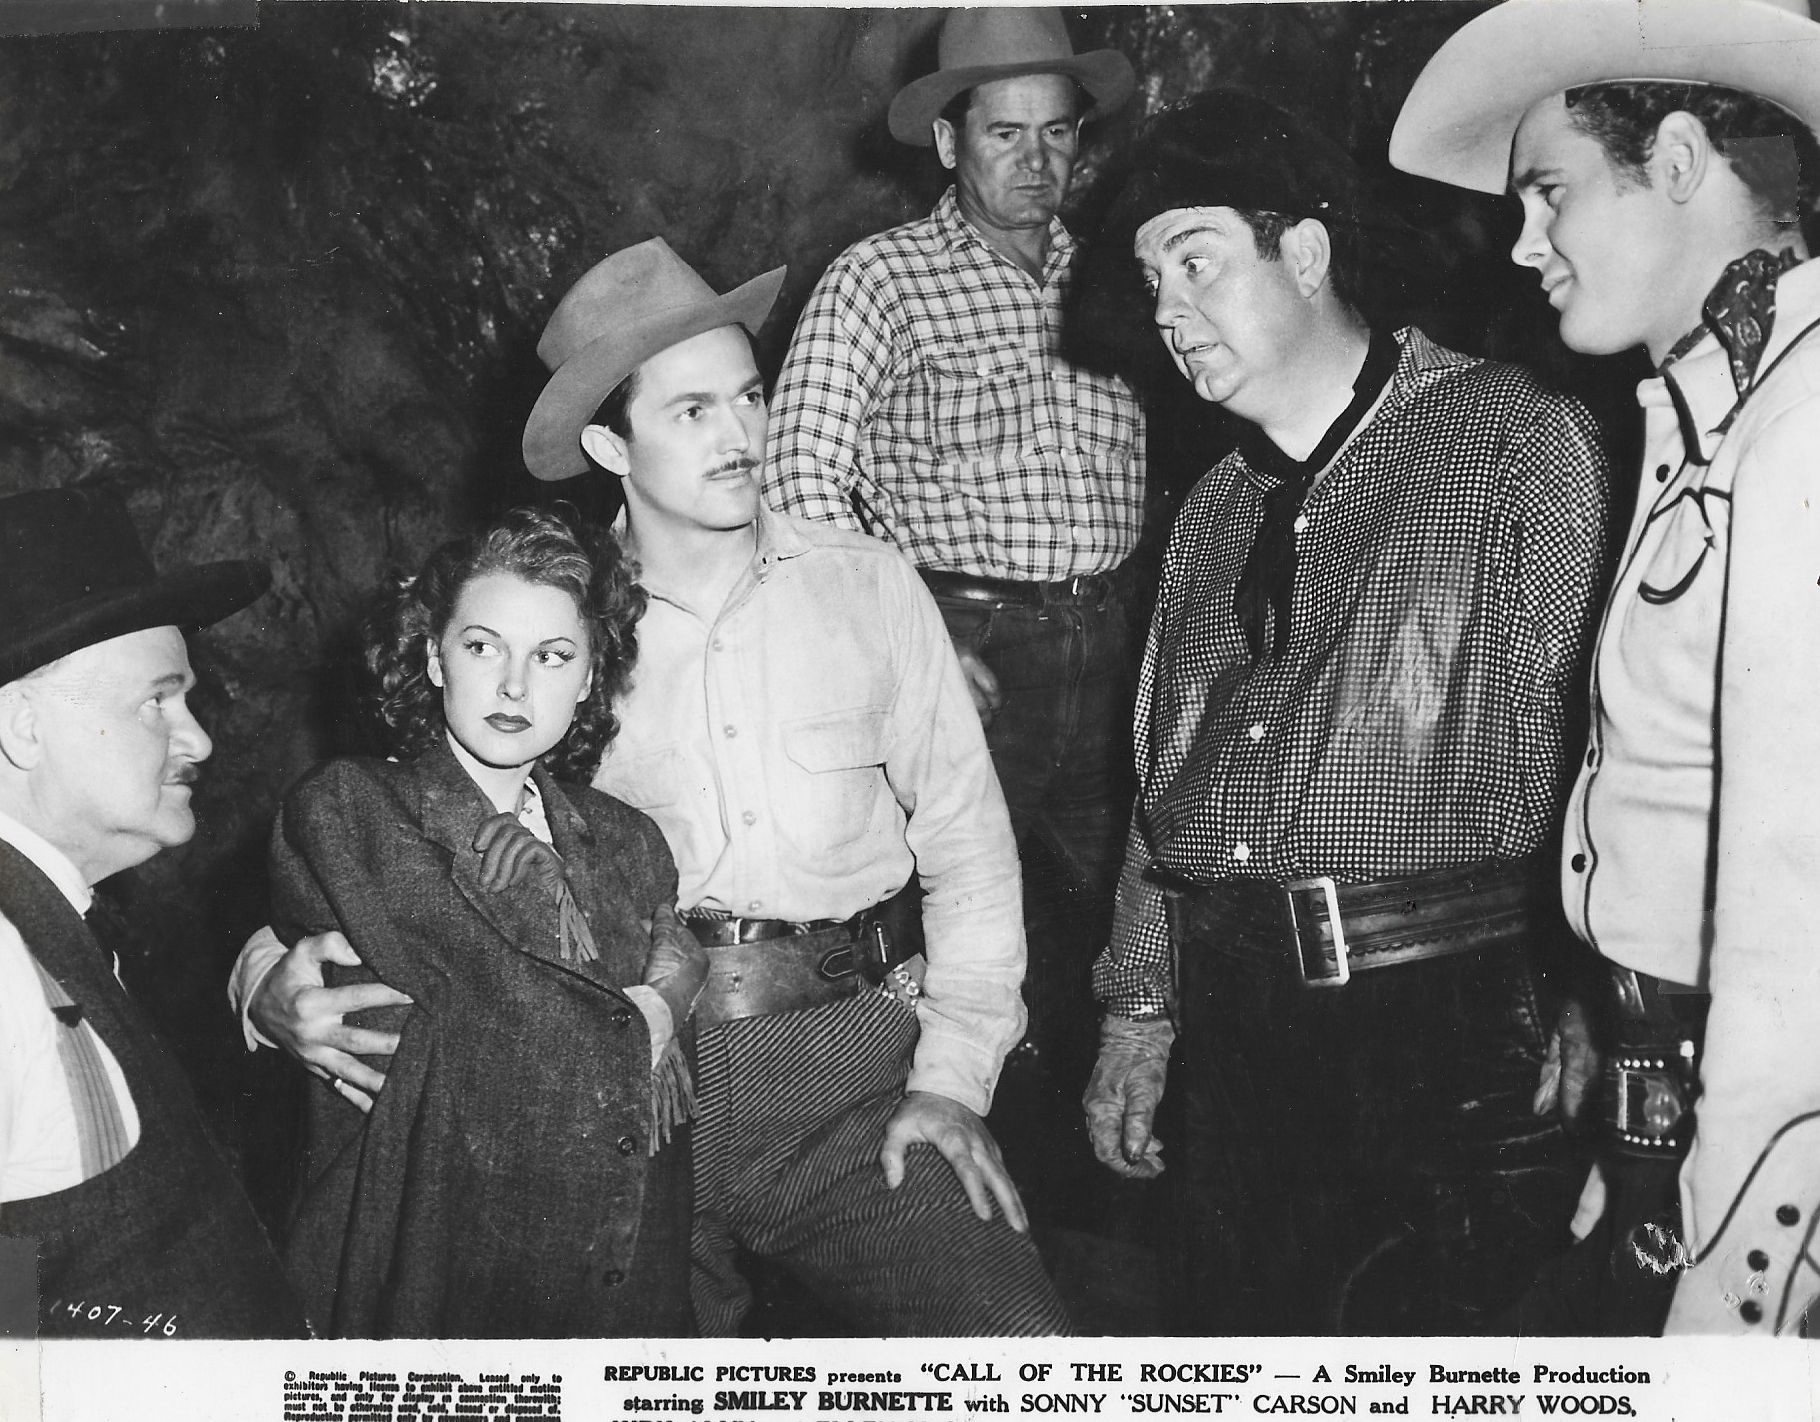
1663	155
1350	743
799	730
925	401
141	1229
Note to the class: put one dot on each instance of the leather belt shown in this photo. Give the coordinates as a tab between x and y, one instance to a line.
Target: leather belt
1328	931
761	966
1097	588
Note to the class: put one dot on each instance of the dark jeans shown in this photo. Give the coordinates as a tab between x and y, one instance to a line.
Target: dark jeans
1363	1159
1061	744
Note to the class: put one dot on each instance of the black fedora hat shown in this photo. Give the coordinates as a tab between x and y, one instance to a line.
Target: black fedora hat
73	573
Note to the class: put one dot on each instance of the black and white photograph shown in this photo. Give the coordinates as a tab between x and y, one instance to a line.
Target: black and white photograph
724	710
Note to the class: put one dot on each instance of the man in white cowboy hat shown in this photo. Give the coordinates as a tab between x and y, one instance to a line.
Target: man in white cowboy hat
1664	156
799	729
924	400
141	1229
1350	741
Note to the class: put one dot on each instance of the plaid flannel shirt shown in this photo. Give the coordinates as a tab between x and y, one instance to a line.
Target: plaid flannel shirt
923	400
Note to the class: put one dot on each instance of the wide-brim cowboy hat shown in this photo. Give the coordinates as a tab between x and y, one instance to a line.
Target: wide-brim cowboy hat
978	46
1462	113
73	573
625	310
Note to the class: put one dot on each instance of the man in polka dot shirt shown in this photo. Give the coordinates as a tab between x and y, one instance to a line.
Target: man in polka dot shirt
1350	749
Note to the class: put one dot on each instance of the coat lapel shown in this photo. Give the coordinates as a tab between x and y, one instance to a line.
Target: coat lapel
452	809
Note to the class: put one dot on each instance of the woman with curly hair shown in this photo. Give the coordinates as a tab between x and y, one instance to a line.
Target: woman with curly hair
523	1172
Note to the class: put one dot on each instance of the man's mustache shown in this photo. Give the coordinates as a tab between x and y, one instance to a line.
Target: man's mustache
735	466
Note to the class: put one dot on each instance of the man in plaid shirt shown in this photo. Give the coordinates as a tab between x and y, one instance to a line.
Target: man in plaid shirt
1350	740
924	400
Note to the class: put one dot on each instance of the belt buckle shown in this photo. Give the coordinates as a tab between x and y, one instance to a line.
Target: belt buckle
1331	892
1649	1097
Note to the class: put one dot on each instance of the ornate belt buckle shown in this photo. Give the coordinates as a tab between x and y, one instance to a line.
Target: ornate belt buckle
1330	891
1649	1098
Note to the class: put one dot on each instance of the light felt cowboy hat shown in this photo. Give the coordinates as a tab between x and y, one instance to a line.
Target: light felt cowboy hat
1462	113
73	573
978	46
625	310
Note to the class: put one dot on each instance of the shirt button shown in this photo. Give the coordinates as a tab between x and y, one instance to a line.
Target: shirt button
750	817
1241	852
627	1145
755	905
1577	864
1750	1311
1758	1260
717	644
1256	732
612	1278
1662	472
1787	1215
729	731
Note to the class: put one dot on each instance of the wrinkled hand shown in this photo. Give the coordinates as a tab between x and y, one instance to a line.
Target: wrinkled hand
982	685
965	1143
1122	1095
294	1010
510	853
677	966
1572	1066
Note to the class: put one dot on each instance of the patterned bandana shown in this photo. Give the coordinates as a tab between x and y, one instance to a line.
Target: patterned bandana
1267	581
1741	312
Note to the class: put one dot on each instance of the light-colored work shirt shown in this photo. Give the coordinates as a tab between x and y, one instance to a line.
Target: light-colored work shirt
807	746
40	1139
924	399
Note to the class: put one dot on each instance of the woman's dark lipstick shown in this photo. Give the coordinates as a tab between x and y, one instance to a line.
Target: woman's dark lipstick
500	721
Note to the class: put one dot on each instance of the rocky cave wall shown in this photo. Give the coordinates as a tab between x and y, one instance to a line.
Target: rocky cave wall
281	286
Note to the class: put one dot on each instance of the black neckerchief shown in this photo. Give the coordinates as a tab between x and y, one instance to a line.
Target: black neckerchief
1268	579
1741	311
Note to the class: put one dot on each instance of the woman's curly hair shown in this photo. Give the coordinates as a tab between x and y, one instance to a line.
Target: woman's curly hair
541	546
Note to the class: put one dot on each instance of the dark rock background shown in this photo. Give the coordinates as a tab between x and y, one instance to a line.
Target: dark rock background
281	286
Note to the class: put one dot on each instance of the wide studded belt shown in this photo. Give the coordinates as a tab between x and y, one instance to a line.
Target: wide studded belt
1327	931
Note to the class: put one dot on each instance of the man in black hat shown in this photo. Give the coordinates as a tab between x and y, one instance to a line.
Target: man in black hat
924	400
1350	748
141	1229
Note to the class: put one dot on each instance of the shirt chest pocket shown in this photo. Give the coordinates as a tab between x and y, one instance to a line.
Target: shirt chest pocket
840	758
979	401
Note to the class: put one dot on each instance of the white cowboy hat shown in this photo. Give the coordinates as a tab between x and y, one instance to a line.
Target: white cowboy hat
1463	111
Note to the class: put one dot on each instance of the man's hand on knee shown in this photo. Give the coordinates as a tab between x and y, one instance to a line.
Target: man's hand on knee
982	685
965	1143
293	1008
1122	1095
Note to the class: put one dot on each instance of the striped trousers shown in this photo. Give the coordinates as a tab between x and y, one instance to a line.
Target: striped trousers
792	1112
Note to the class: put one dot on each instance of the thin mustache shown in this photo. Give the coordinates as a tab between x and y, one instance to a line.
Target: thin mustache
736	466
187	773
